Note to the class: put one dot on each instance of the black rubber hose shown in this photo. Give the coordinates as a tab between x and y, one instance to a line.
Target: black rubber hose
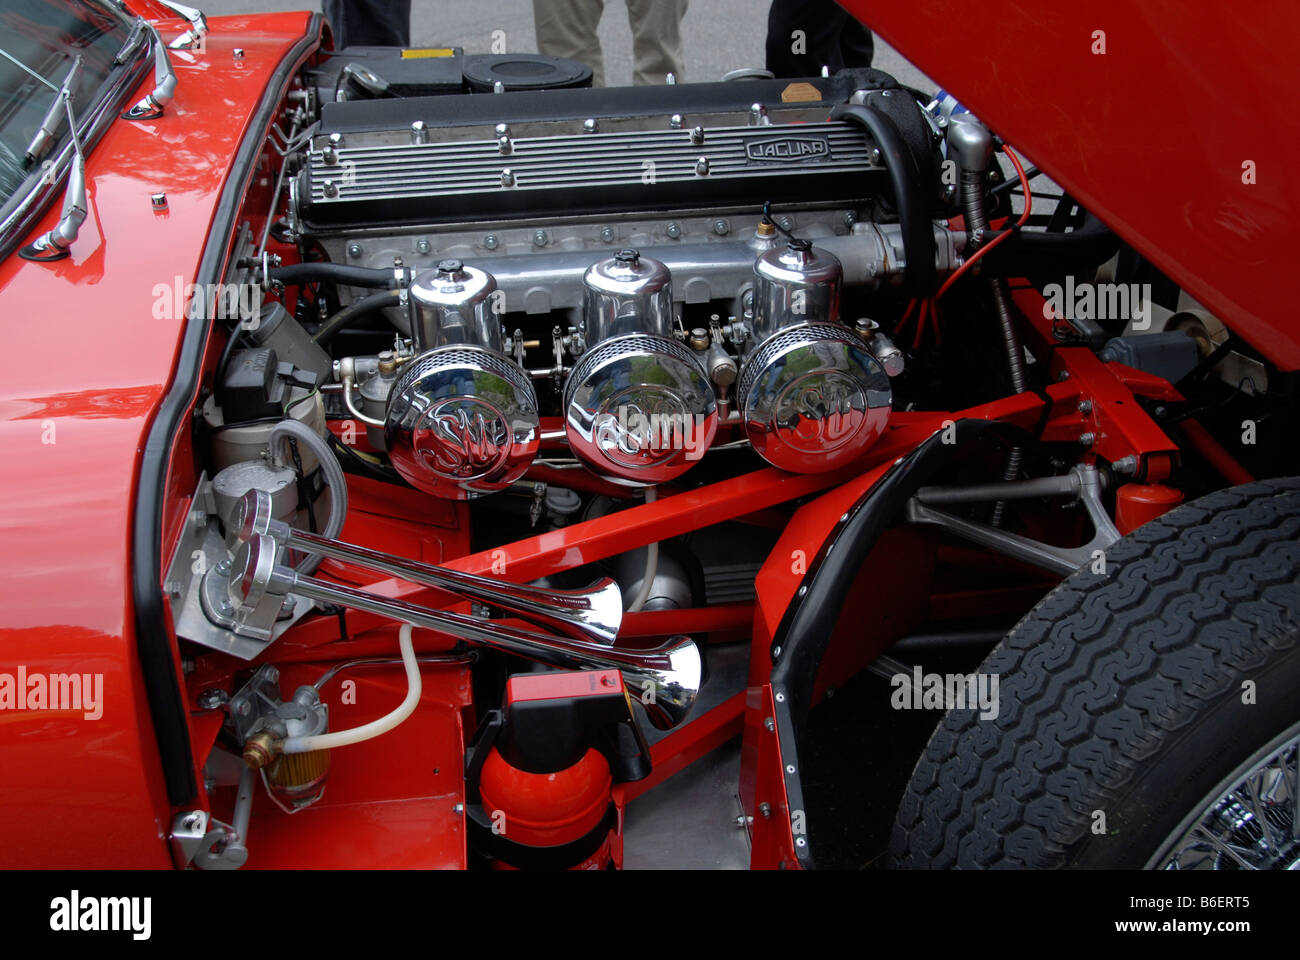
363	307
298	273
909	192
1035	253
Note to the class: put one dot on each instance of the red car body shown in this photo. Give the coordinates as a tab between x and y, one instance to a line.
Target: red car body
1152	136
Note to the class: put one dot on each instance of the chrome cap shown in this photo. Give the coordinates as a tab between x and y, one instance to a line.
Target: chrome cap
795	283
639	409
452	304
627	294
462	421
813	398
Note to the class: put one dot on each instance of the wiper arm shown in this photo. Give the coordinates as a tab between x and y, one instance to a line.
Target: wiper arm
54	243
151	105
198	24
131	42
46	134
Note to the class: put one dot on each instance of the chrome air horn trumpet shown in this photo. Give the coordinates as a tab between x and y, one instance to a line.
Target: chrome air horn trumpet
592	614
665	679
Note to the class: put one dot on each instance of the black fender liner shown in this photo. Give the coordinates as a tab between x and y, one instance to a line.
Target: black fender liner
805	629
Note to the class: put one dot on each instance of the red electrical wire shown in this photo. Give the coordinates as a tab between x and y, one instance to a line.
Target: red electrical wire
1024	216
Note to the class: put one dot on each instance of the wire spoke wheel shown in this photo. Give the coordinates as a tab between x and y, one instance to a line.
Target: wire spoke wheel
1252	823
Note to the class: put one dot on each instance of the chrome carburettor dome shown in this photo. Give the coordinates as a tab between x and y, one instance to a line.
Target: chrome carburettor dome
462	419
638	406
811	394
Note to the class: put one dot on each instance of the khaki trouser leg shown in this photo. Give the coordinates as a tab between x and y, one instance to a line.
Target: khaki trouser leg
567	28
656	39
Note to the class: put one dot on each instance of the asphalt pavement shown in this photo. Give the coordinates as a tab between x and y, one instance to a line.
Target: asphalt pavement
719	35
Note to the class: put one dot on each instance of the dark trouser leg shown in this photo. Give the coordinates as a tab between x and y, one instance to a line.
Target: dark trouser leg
369	23
805	35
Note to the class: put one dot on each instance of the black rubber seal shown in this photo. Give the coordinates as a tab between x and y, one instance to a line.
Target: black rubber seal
805	629
158	656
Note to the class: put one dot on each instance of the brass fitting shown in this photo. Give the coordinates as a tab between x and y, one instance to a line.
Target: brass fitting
260	750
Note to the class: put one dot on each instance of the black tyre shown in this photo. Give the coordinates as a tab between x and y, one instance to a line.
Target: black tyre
1159	702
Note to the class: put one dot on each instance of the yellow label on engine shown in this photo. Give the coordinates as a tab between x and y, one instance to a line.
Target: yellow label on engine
425	53
800	93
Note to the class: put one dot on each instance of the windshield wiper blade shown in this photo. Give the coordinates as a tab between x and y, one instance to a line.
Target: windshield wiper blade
26	69
47	132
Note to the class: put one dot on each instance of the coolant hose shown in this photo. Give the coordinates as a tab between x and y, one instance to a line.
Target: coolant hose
298	273
909	192
334	479
353	311
368	731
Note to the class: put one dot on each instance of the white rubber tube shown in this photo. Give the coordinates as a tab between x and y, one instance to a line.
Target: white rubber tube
368	731
651	565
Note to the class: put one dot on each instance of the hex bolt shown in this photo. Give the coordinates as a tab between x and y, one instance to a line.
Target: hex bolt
1085	406
674	230
211	699
765	809
491	241
786	223
539	238
419	132
331	188
223	567
423	246
1087	439
876	156
721	227
697	135
158	201
769	724
238	53
503	129
336	139
504	146
607	234
354	249
675	121
702	166
508	180
458	809
590	126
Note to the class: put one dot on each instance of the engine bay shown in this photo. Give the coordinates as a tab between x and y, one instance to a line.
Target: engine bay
554	378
